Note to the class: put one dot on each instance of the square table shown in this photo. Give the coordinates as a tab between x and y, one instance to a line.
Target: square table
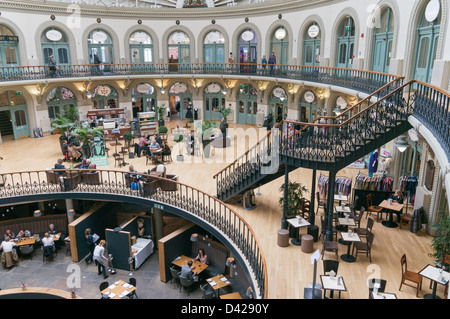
217	282
343	226
329	283
340	198
233	295
383	295
118	290
196	265
391	208
432	273
342	209
297	222
351	239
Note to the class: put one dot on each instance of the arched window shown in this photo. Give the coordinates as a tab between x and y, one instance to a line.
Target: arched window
100	44
214	48
105	97
427	39
9	47
141	47
279	45
383	39
180	99
55	41
346	43
58	100
213	100
247	100
143	98
248	48
179	50
311	45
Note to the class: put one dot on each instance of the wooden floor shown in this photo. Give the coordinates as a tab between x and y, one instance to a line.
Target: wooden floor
289	269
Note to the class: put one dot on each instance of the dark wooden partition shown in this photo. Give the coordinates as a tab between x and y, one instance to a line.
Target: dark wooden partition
119	246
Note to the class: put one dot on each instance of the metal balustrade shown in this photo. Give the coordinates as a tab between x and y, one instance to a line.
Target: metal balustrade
209	209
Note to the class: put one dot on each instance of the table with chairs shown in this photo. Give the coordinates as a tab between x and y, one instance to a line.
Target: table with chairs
218	282
118	290
409	278
391	208
437	276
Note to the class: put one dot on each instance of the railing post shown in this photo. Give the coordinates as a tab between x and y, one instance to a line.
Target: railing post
285	197
330	207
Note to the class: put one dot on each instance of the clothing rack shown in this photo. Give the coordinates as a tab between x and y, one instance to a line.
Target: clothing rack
374	183
408	184
342	185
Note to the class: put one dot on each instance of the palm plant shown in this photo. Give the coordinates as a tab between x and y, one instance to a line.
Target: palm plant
441	243
295	197
225	111
84	135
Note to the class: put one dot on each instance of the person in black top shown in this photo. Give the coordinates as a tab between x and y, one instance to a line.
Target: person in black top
158	139
59	165
398	198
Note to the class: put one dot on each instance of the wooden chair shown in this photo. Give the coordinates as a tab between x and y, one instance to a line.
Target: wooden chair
358	216
117	159
404	219
372	208
374	281
320	203
365	247
362	232
410	276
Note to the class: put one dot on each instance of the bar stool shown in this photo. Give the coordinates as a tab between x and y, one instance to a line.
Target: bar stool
283	238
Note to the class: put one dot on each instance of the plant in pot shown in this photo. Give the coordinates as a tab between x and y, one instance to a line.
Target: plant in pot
178	138
62	126
207	131
160	110
84	136
162	131
128	137
295	199
224	111
441	242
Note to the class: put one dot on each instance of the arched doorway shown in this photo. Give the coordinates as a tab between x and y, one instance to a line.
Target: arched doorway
179	51
143	98
248	48
311	45
346	43
100	43
427	40
141	47
307	107
9	47
383	39
59	100
56	42
214	50
278	104
13	115
279	45
247	101
213	98
180	99
105	97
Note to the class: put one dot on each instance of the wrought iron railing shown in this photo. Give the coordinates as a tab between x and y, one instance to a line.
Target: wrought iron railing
363	81
205	207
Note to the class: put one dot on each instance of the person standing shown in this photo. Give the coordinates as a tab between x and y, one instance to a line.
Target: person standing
264	62
90	244
272	61
52	65
97	63
223	127
100	258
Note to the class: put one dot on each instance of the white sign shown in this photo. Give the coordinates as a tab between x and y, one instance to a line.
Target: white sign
385	152
99	36
213	37
247	36
315	257
432	10
309	97
313	31
341	102
280	34
143	88
180	87
53	35
140	37
213	88
103	90
178	37
279	92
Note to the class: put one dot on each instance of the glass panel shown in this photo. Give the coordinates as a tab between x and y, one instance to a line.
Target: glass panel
5	31
388	56
249	107
436	40
148	55
214	37
10	55
140	37
253	40
99	36
423	52
20	118
207	103
241	107
209	53
47	52
185	58
220	54
179	38
135	55
215	104
4	101
16	99
309	54
63	56
342	53
255	107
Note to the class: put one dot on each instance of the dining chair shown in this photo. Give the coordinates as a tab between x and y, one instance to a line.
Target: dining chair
102	287
27	250
207	292
409	276
323	230
365	247
371	283
358	216
320	203
329	265
187	283
373	208
68	249
362	232
175	275
404	219
132	281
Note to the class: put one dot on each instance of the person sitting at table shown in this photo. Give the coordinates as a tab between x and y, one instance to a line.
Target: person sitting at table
158	139
202	257
166	151
47	245
73	152
186	271
153	147
397	198
20	234
100	259
52	229
9	234
7	245
85	163
59	165
143	145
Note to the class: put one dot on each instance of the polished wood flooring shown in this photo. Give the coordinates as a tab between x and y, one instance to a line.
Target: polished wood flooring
289	269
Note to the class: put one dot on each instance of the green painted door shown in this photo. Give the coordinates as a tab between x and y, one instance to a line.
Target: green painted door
212	102
346	44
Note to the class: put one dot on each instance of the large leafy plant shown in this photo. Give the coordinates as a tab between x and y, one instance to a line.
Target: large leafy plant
295	197
441	242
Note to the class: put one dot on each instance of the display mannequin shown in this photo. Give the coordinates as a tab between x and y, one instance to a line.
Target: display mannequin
373	163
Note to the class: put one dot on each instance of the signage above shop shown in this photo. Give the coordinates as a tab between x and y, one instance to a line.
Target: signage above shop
53	35
99	36
103	90
247	35
144	88
213	88
279	92
280	34
341	102
180	87
178	37
103	112
309	96
432	10
313	31
213	37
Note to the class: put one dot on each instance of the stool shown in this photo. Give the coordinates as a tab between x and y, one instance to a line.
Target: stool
313	230
307	243
283	238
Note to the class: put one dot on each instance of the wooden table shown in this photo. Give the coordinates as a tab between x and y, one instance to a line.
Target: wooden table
196	265
432	273
344	223
26	241
340	198
233	295
297	222
353	238
383	295
329	283
118	289
217	282
391	208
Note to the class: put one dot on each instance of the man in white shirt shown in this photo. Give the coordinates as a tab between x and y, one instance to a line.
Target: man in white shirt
100	259
8	245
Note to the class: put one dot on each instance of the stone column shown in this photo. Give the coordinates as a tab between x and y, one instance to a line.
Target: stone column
158	222
70	211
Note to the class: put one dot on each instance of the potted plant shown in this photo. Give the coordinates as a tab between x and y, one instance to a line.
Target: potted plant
441	242
160	110
224	111
62	126
207	131
178	138
84	136
162	130
295	200
128	137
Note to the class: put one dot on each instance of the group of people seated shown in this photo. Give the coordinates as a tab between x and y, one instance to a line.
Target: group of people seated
186	270
85	164
149	146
